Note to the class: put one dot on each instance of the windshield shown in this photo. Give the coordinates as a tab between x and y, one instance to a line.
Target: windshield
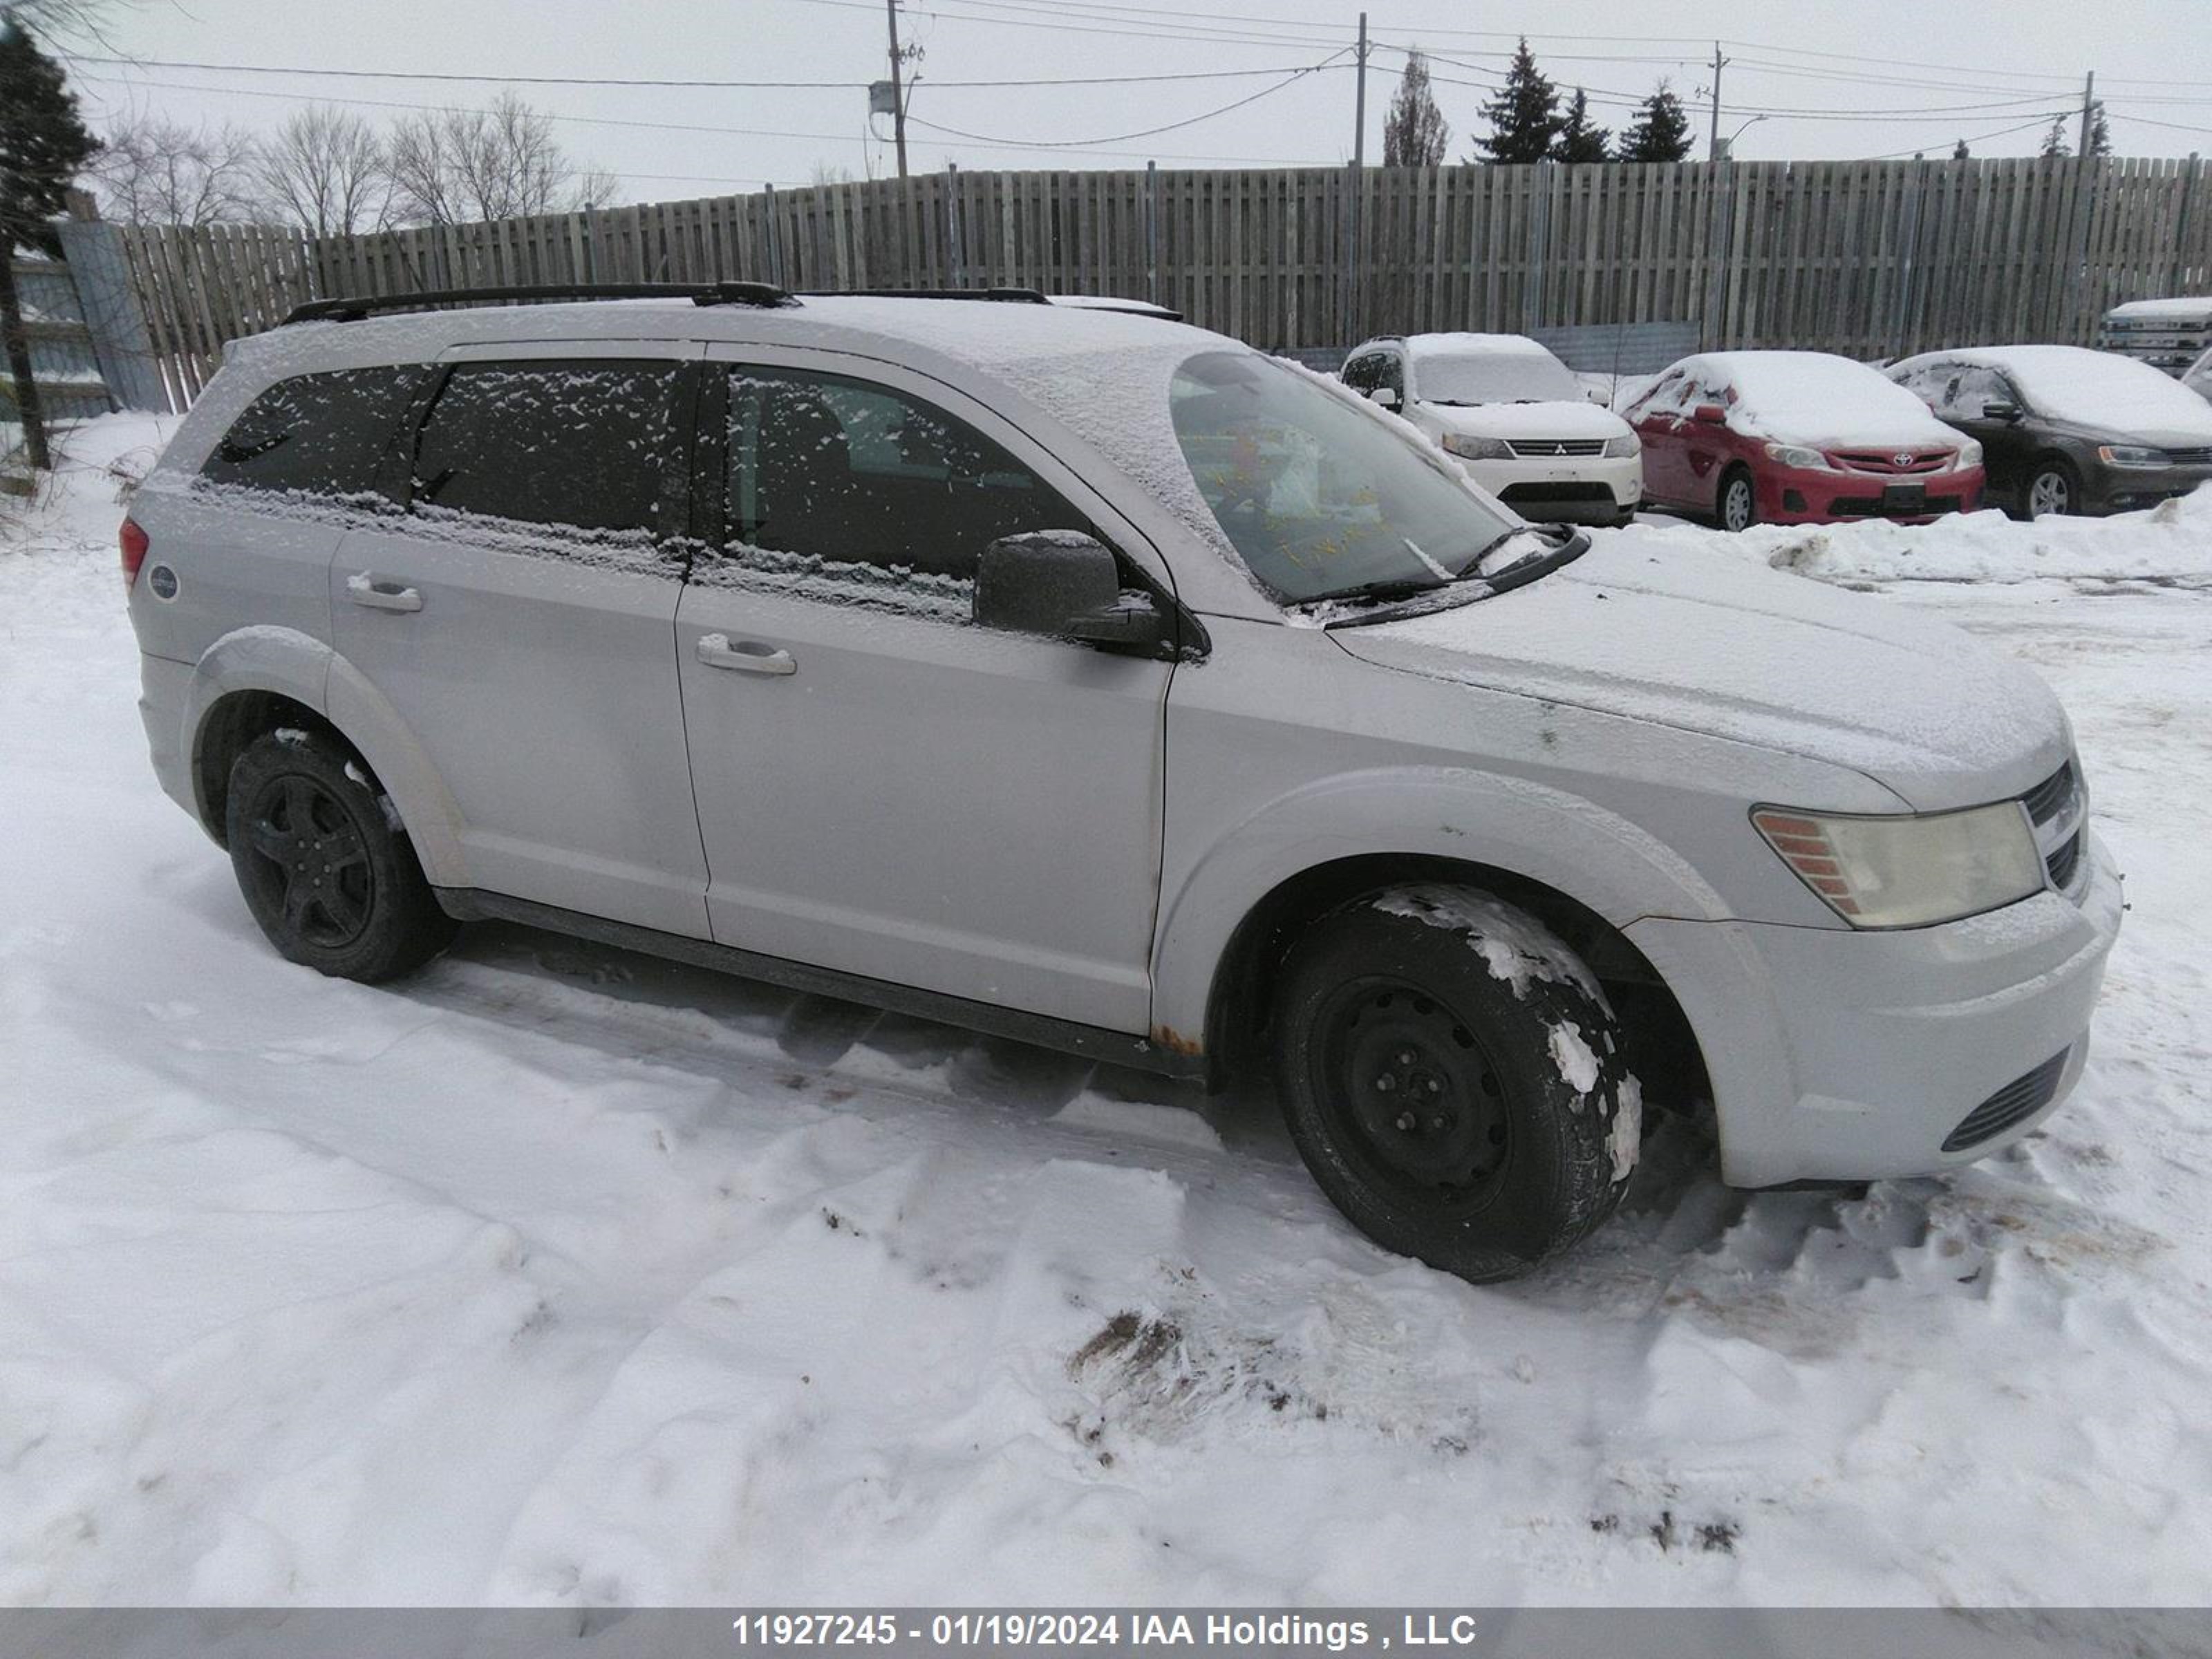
1493	377
1319	497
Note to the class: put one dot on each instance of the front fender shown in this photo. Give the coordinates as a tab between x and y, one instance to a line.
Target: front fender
1570	844
297	665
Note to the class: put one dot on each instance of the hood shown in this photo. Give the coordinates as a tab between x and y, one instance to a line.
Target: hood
1546	420
1707	644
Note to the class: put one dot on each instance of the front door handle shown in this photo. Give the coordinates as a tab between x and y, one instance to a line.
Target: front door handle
381	595
746	656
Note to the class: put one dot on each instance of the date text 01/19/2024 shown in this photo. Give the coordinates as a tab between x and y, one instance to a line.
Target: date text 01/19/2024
1050	1629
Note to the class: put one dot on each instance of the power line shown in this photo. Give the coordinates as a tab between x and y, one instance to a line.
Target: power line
1124	137
608	81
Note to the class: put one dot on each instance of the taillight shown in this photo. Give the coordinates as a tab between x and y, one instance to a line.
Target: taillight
134	551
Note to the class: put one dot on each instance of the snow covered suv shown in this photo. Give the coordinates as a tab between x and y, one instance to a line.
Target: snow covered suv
1513	417
1098	681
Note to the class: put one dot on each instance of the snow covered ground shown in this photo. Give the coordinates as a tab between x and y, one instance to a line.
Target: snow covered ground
557	1274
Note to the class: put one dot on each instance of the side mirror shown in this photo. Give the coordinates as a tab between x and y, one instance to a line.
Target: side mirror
1709	415
1385	395
1065	585
2003	411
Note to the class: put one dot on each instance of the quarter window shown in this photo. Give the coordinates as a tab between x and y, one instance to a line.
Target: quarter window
584	443
856	481
316	435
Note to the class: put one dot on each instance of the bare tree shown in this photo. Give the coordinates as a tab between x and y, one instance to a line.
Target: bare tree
326	171
67	21
458	165
1415	133
154	171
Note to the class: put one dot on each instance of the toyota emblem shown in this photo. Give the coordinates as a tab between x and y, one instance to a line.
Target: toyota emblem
1902	461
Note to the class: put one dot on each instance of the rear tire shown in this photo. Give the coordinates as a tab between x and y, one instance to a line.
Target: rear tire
1737	508
328	875
1454	1079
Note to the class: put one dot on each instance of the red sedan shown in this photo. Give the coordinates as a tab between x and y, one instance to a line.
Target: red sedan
1798	437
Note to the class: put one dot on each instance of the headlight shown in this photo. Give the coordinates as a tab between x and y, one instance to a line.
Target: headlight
1970	455
2132	455
1795	455
1620	448
1909	871
1477	449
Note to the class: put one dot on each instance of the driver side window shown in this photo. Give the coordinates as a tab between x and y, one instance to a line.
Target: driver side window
859	493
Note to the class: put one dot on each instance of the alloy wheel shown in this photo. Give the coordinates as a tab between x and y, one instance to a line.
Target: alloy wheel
311	863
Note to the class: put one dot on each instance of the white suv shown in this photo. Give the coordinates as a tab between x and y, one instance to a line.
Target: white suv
1095	680
1513	416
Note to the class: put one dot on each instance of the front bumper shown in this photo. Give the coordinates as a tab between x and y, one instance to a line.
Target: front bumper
1794	494
1838	1056
1572	490
2127	488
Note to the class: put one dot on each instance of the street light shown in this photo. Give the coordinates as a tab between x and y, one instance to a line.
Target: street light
1728	144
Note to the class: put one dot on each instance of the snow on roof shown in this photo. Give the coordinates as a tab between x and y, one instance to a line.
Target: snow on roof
1817	399
1113	302
1516	343
2182	310
2091	388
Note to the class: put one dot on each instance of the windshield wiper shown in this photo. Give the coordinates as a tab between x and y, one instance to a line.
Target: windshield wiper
1381	592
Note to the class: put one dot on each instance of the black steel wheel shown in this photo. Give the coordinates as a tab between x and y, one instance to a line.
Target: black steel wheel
1454	1079
330	880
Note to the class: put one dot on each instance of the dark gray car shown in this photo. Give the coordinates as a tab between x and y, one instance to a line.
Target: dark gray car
2063	429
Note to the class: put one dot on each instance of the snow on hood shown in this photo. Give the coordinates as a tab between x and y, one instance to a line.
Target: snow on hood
2161	310
1754	656
2094	389
1578	419
1822	401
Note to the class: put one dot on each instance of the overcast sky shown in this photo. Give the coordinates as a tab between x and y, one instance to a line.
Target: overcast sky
1992	73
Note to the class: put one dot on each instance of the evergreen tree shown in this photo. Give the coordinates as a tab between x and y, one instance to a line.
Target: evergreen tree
42	145
1415	135
1661	131
2100	136
1960	153
2054	141
1524	117
1578	140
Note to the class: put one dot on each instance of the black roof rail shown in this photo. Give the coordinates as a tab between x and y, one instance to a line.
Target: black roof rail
1023	296
355	307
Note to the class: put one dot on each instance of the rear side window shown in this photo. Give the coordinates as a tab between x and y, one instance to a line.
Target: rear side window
320	434
584	442
865	479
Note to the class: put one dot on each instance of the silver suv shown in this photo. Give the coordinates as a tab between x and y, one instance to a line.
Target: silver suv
1098	680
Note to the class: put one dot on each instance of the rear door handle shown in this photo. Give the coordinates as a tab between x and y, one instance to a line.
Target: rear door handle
746	656
381	595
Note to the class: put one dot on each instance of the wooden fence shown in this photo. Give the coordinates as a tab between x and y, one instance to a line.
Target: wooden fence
1871	258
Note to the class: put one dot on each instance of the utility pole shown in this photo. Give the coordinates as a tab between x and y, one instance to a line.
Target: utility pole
2088	109
1359	105
898	94
1713	153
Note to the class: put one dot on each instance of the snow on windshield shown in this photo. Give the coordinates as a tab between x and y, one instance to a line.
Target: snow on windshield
1479	369
2098	388
1811	397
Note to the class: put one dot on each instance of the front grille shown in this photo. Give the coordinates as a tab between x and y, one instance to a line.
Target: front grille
1538	449
2044	801
2062	860
1870	461
1560	490
2023	1097
2192	457
1874	507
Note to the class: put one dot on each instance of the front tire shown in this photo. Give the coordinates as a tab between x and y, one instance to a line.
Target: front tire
2051	492
330	879
1737	508
1454	1079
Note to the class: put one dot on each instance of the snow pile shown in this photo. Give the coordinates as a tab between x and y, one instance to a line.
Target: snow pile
555	1275
2169	544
